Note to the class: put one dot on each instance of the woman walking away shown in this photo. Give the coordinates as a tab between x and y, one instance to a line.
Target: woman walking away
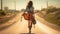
29	15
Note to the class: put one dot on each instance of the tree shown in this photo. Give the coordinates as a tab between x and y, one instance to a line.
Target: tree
1	5
6	8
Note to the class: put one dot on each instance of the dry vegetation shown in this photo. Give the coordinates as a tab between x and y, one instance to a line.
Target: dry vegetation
51	14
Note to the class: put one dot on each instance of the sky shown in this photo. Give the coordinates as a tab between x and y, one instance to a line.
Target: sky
21	4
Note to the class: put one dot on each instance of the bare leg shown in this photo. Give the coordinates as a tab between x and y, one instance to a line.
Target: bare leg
29	25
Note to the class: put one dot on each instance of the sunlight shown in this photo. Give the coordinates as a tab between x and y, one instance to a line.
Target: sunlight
21	4
45	28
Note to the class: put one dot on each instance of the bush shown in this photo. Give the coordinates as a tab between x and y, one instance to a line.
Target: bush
2	13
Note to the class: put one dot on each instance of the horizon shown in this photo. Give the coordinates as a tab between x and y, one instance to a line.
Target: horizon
21	4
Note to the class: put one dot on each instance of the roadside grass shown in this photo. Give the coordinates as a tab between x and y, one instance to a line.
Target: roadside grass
52	19
6	19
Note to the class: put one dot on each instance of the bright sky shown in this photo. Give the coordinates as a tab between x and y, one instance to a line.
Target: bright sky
21	4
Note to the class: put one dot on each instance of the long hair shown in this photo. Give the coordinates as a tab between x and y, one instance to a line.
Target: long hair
30	4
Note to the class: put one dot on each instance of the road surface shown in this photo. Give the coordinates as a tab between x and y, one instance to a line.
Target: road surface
22	27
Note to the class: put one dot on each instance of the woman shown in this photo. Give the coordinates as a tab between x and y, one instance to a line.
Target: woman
30	8
29	14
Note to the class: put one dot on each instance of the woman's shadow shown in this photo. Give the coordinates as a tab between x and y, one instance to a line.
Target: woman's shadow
26	33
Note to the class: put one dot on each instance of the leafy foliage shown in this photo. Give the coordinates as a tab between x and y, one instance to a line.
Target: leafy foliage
2	13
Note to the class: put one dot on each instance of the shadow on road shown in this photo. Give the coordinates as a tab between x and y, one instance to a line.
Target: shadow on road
26	33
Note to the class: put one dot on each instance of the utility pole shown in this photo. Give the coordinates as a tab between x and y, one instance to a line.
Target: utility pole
15	4
41	7
1	5
47	3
